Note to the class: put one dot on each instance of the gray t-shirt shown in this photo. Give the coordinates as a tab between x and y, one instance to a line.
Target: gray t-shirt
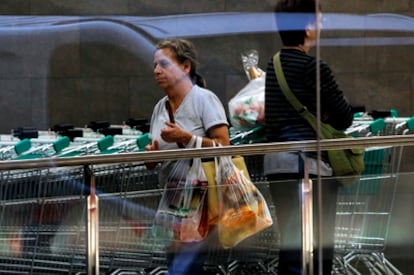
200	110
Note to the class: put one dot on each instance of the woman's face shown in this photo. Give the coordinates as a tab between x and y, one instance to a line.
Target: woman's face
167	71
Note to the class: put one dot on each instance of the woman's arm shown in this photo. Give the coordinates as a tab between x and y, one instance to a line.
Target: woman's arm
220	135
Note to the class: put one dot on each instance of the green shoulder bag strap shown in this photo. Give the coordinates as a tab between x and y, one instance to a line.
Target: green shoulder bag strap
302	110
353	157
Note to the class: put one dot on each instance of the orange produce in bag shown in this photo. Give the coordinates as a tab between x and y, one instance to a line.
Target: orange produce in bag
243	210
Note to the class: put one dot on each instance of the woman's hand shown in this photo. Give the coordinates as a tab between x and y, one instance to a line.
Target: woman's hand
173	133
154	146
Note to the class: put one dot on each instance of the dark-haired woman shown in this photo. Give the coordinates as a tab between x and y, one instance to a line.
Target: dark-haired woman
187	109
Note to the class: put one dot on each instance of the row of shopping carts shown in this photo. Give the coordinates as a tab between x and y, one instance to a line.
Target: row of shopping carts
29	143
45	233
43	213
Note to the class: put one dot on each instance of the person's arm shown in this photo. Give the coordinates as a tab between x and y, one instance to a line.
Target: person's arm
220	135
335	108
215	121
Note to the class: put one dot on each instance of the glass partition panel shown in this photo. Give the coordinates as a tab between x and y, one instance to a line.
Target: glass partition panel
44	214
86	74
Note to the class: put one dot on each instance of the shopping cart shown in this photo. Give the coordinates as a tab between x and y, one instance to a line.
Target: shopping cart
43	216
364	209
32	204
43	211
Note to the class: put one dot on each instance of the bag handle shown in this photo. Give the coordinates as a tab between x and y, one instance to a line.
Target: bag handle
199	142
301	109
192	143
216	159
195	142
172	120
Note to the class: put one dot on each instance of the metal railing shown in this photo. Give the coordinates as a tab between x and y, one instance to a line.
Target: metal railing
245	150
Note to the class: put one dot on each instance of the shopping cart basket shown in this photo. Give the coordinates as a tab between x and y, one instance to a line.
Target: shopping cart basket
364	209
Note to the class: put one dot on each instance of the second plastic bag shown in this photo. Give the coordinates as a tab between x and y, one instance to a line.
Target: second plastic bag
246	108
243	209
